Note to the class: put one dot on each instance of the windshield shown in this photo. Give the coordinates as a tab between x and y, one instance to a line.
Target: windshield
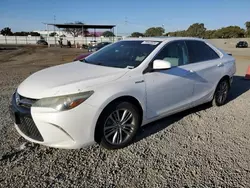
100	45
123	54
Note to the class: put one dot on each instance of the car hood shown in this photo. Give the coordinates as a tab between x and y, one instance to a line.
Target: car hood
67	79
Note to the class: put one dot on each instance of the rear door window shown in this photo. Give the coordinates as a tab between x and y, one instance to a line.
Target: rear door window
199	51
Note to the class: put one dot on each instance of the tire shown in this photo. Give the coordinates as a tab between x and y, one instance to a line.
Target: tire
221	93
113	130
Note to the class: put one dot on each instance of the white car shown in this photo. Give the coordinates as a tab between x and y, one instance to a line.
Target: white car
109	95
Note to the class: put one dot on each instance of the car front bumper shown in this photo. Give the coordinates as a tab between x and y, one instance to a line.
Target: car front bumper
70	129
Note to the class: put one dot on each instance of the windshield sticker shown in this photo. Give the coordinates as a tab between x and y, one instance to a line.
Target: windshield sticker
150	42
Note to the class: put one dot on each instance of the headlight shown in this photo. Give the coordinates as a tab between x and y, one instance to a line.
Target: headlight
65	102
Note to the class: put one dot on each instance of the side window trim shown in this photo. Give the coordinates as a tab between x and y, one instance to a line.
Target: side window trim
188	60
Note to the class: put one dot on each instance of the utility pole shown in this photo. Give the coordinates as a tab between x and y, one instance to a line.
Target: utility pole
54	29
54	22
163	28
126	22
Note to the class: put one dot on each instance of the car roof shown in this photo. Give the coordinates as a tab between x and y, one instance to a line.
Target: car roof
160	39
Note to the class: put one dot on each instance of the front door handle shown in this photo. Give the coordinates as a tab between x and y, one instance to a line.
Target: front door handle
191	71
220	65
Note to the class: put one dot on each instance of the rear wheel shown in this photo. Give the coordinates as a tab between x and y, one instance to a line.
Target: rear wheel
221	93
118	125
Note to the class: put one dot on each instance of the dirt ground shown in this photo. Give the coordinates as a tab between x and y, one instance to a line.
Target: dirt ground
202	147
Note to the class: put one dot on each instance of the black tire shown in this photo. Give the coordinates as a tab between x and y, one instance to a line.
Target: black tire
104	119
221	93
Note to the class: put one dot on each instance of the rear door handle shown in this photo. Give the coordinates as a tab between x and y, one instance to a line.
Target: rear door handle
220	65
191	71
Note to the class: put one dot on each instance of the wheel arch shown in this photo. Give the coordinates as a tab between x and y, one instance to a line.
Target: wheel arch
225	77
124	98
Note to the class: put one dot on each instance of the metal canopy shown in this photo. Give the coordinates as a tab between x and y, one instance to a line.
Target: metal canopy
84	26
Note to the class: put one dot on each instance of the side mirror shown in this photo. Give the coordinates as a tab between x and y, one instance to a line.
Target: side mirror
161	64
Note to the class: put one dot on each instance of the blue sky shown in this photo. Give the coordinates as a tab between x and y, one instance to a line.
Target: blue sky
28	15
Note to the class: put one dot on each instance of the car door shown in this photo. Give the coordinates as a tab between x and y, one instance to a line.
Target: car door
207	68
169	91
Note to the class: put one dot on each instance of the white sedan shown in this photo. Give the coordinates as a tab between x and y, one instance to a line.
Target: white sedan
109	95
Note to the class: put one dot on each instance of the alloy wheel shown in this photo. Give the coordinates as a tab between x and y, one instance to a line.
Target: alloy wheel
119	126
222	91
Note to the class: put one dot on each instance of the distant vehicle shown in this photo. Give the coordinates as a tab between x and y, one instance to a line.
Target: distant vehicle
242	44
92	43
98	46
82	56
112	93
92	49
42	42
85	46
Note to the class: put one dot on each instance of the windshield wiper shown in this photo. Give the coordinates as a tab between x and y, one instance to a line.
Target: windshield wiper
93	63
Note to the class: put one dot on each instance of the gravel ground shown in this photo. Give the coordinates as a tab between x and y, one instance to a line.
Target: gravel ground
202	147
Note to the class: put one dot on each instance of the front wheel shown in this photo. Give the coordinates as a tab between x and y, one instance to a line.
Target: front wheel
118	125
221	93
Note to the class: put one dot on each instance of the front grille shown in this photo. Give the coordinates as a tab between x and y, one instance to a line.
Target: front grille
28	127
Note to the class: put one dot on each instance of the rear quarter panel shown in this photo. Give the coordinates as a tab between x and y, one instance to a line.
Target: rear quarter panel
229	63
230	67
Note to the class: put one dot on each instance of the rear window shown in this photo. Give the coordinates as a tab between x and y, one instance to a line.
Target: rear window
199	51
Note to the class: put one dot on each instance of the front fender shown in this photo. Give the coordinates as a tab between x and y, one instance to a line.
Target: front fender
107	93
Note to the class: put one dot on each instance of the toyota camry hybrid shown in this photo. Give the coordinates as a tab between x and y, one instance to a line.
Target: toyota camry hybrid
109	95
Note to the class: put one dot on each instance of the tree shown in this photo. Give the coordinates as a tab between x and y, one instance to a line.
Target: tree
22	33
75	31
108	34
247	24
210	34
6	31
154	31
85	32
137	34
196	30
230	32
53	34
199	30
34	34
181	33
